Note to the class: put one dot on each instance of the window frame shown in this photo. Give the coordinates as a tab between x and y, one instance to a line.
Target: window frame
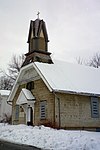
94	107
30	85
17	112
43	110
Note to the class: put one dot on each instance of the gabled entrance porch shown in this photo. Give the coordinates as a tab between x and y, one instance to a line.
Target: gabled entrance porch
26	100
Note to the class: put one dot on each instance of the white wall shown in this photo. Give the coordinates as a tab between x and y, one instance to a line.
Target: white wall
4	107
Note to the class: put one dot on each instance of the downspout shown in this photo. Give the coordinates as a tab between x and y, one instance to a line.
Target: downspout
59	112
58	108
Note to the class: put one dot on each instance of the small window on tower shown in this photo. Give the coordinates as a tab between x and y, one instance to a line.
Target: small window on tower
30	85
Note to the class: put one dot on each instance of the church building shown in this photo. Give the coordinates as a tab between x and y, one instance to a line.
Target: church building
54	93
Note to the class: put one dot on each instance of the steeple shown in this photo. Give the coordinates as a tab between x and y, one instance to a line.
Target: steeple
37	43
38	38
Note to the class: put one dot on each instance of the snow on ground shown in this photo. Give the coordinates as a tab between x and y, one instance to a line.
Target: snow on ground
5	92
48	138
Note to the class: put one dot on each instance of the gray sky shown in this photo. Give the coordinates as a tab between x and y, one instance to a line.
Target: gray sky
73	27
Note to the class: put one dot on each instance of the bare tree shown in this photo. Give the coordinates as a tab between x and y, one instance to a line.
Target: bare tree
6	118
7	79
15	65
5	83
80	60
95	60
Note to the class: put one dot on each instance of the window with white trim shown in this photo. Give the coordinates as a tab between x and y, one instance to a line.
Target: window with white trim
43	109
94	107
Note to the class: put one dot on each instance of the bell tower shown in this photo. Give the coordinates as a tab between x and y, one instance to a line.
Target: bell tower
37	43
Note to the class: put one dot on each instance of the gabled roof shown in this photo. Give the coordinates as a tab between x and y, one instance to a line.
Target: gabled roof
25	96
36	27
71	78
65	77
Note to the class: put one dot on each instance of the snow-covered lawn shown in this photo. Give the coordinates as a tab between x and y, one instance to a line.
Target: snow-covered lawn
48	138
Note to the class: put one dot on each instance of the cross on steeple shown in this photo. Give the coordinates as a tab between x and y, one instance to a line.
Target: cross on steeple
38	14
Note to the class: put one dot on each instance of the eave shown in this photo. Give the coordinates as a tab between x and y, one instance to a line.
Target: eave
76	93
16	85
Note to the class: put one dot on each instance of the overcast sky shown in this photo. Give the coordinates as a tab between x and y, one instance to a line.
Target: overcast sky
73	27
